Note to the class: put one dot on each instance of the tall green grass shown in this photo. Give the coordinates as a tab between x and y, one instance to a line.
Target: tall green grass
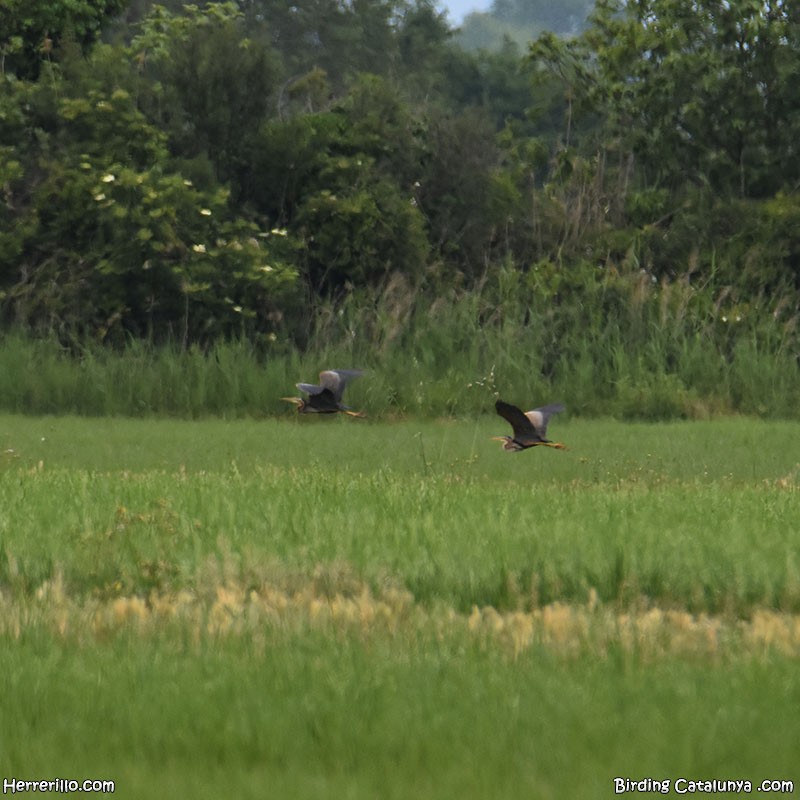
326	715
695	515
705	549
617	347
361	609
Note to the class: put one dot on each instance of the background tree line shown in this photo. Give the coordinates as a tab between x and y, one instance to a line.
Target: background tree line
197	171
191	173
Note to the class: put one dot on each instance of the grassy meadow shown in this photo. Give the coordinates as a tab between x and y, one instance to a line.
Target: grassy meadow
362	608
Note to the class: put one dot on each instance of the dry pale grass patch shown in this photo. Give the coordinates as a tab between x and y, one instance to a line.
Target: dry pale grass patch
230	609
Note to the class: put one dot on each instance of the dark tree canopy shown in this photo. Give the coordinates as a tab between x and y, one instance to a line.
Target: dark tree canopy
209	170
31	30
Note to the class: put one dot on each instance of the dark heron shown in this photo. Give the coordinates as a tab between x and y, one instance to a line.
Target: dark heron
326	398
530	427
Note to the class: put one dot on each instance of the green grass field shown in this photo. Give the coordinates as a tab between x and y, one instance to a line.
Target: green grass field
354	609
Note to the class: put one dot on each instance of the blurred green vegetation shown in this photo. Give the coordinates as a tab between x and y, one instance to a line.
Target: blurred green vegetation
618	346
609	216
359	608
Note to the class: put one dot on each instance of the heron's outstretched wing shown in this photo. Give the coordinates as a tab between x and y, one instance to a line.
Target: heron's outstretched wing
539	417
515	417
310	388
335	380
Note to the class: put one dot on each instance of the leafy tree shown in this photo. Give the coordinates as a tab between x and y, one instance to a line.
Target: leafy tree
456	188
205	83
422	39
342	181
566	17
693	140
103	239
32	30
521	21
434	69
340	38
703	91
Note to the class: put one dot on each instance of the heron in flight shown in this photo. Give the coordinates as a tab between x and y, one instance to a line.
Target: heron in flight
530	427
326	397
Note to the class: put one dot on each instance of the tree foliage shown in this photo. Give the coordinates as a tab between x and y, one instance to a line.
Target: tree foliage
704	91
212	170
689	109
519	21
31	30
103	237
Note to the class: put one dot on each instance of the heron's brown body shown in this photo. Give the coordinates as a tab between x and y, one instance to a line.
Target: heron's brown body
326	397
529	427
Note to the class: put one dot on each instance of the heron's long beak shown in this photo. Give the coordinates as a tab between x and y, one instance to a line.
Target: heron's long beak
359	414
297	401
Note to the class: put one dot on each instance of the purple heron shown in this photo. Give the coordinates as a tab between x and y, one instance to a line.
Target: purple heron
326	398
530	427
